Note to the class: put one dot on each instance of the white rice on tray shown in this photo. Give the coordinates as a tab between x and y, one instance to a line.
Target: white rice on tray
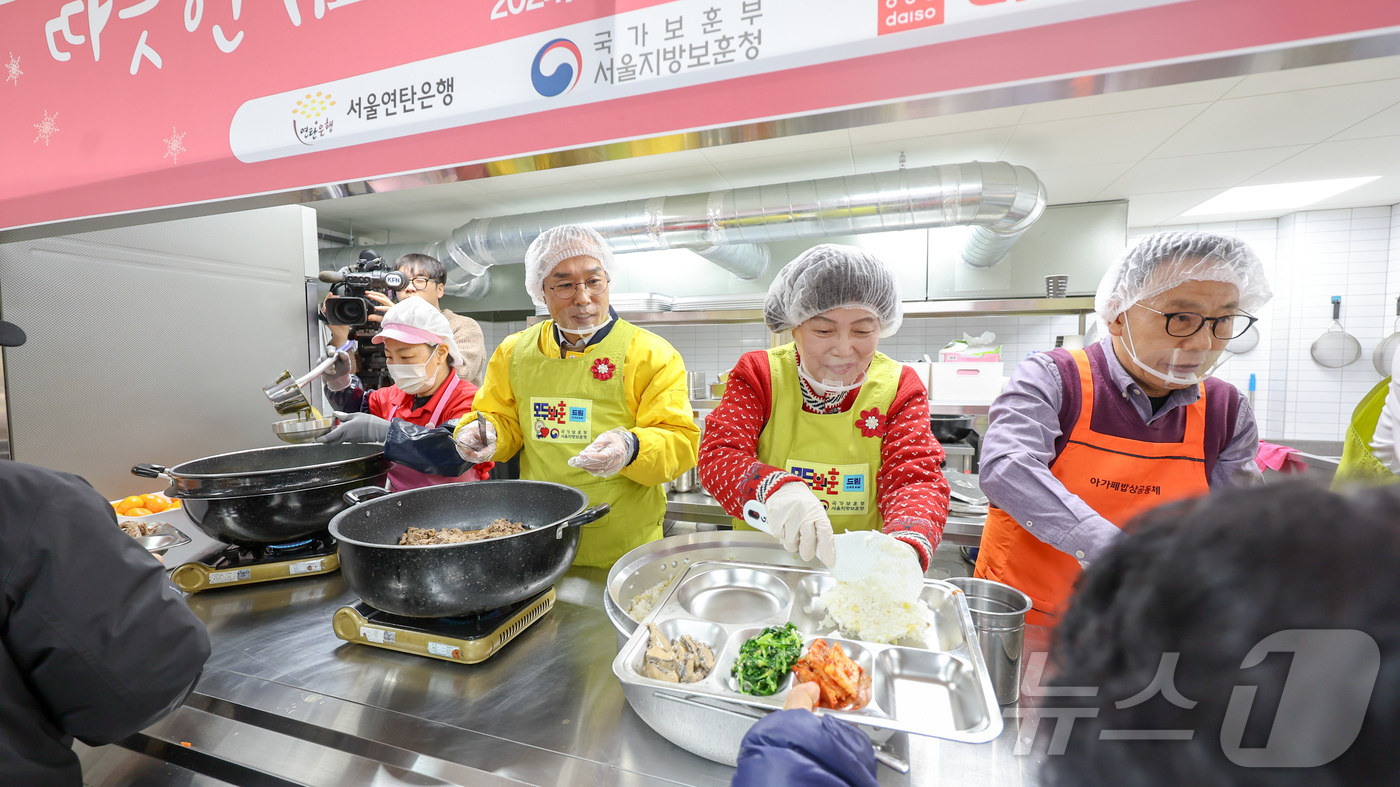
880	602
644	601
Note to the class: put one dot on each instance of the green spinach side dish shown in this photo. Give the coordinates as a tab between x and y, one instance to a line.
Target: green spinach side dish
765	659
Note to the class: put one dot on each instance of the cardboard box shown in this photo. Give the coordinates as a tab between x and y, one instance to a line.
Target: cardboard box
954	356
966	383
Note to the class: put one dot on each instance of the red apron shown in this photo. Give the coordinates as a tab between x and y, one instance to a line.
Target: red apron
1118	477
402	478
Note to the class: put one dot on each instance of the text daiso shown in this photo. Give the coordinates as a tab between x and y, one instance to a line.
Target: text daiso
909	17
900	15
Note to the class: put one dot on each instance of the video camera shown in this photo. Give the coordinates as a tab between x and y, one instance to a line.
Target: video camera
347	304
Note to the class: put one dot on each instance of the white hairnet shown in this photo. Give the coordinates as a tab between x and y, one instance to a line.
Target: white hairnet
415	321
555	245
1168	259
830	277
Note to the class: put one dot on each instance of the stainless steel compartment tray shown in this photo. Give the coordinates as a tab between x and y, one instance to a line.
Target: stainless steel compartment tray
941	691
163	537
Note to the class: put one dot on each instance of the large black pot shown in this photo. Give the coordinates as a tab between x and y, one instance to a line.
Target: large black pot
456	580
271	495
950	428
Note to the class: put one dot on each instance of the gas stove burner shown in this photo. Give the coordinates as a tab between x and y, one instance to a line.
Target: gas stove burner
253	554
245	564
467	640
293	546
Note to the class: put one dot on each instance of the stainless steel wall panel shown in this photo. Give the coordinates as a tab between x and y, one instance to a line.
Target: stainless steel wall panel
152	343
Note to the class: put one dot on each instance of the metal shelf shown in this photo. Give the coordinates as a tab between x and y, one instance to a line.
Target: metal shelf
1009	306
1080	305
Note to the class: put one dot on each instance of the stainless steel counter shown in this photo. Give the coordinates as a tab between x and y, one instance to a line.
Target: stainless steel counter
700	507
282	701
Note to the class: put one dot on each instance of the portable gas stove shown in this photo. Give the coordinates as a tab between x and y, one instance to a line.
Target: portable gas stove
245	565
468	640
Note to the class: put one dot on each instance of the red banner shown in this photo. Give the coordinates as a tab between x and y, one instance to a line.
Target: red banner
119	105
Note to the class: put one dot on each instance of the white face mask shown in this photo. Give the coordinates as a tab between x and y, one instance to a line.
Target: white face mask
1198	375
412	378
585	334
828	387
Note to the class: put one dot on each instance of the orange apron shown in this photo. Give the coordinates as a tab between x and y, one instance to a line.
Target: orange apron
1118	477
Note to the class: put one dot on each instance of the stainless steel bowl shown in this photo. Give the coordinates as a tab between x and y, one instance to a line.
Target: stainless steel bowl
296	430
651	564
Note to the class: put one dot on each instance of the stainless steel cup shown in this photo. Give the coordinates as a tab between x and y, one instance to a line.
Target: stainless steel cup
686	482
999	615
699	389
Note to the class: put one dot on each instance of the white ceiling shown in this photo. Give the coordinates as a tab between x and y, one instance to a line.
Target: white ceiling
1163	149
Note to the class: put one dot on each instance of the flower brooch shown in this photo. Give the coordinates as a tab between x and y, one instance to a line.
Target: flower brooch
871	423
603	369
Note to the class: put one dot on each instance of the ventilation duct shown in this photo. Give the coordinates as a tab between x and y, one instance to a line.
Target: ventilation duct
472	284
729	227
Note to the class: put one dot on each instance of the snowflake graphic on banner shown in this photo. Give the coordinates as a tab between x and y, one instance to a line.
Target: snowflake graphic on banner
175	145
13	68
48	128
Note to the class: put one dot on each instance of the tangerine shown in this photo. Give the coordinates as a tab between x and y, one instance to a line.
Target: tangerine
138	511
156	503
130	502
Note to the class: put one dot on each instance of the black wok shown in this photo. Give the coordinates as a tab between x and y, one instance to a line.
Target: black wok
457	580
270	495
950	428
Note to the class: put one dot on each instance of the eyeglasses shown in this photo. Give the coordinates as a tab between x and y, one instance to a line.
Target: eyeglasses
568	290
1183	324
421	282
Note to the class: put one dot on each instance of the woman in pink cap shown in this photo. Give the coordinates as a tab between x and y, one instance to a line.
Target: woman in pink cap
420	354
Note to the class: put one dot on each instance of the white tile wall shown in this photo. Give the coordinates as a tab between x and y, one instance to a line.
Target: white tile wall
1308	257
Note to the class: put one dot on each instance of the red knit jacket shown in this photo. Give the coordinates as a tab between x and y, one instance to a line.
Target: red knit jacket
911	492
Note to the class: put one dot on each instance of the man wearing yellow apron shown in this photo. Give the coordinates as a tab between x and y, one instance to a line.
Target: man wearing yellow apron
826	432
1080	442
591	401
1370	454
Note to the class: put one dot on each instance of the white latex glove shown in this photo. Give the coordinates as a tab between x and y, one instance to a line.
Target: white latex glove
473	445
798	520
606	455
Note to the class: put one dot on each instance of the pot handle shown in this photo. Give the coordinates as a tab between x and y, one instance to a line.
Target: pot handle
148	470
591	515
357	496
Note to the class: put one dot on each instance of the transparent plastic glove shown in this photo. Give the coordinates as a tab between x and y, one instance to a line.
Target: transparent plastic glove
606	455
477	441
357	428
799	522
337	378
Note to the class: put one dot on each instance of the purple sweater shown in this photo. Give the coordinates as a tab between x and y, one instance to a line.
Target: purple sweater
1031	420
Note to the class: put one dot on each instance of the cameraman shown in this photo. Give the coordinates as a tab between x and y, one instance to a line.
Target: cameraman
427	279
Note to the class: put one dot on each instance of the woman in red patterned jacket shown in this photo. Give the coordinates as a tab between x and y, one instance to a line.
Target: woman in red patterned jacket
827	433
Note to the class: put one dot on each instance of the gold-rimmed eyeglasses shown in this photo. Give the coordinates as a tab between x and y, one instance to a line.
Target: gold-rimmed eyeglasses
568	290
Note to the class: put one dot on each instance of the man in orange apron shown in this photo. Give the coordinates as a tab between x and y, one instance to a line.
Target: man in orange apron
1081	441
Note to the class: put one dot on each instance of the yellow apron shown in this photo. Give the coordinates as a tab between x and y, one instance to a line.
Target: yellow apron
1360	467
837	455
563	405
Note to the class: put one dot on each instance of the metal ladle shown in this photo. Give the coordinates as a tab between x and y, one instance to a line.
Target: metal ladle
287	398
1336	348
1385	351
